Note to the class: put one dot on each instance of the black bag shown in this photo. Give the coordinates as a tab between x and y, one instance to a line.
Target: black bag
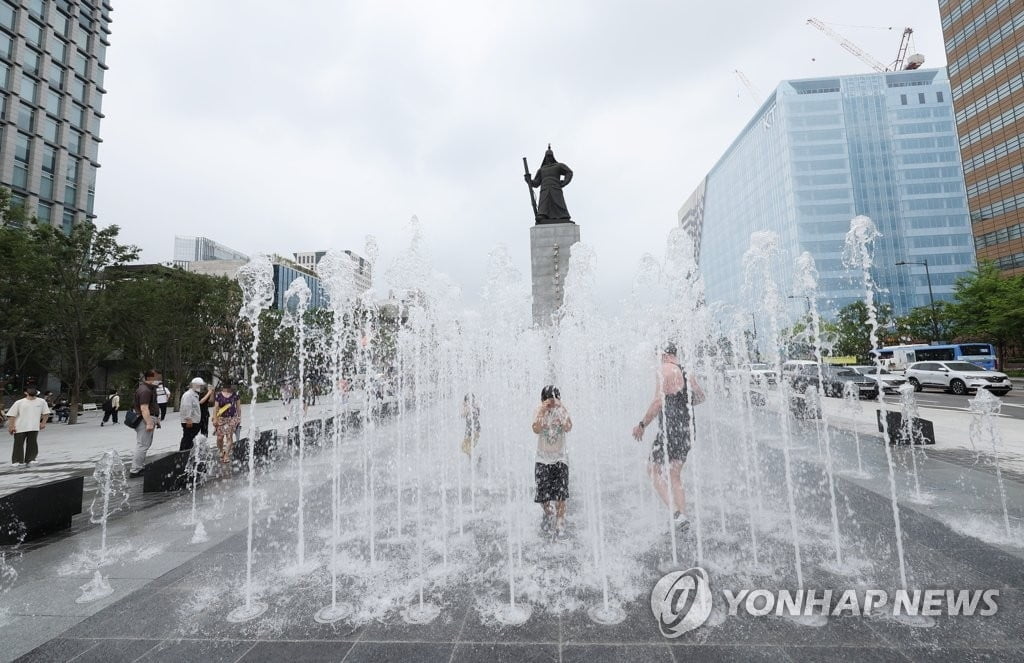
108	404
132	419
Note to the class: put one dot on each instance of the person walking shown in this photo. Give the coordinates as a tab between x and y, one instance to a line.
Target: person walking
111	404
191	413
471	415
227	417
205	401
671	405
551	470
145	404
163	396
24	421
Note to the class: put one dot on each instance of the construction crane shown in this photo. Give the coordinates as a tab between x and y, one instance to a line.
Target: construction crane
902	62
755	94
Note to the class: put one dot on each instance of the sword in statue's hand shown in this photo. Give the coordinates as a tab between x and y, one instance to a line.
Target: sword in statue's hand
529	185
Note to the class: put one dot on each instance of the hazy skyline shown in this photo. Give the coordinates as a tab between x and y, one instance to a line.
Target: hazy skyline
281	131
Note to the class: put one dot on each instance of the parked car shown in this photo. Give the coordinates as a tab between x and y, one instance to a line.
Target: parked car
890	382
761	375
804	376
960	377
837	377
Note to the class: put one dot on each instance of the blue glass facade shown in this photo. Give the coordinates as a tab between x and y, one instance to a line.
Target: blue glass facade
283	277
821	151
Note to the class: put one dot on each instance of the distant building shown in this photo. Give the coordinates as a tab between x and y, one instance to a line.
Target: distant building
821	151
985	52
52	65
363	272
194	249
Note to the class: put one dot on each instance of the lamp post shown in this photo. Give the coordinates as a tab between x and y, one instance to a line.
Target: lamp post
931	296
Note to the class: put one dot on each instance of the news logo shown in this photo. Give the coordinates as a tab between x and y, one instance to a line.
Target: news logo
681	601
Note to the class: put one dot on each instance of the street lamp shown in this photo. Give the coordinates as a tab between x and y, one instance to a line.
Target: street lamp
931	296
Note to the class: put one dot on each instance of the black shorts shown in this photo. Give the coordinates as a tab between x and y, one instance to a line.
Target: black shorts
552	482
678	448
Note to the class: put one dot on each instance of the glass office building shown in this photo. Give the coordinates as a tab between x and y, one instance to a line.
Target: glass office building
985	51
192	249
821	151
284	274
52	63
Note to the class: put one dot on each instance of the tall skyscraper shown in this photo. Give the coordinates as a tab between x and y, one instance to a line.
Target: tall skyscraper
819	152
52	62
985	52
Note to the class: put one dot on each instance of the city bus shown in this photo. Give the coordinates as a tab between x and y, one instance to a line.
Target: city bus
898	357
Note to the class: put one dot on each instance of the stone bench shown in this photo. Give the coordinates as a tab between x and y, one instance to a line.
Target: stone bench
923	430
165	472
35	511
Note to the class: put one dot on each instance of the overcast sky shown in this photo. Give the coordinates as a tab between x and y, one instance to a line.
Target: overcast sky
283	127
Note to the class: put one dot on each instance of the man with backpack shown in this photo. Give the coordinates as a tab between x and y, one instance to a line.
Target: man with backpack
111	404
163	396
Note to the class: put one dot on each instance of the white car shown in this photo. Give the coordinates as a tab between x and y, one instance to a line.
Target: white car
960	377
761	375
890	382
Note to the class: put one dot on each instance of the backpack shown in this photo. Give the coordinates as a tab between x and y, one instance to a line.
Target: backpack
108	403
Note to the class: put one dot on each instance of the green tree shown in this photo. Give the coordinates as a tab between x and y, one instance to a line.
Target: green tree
78	312
851	329
917	326
21	281
989	307
184	329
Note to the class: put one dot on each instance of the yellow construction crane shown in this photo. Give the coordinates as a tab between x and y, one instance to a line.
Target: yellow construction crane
902	62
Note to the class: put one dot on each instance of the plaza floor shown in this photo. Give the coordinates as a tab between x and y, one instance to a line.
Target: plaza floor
171	596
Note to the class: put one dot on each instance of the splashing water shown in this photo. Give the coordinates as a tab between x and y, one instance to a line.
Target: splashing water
256	279
857	254
985	408
111	494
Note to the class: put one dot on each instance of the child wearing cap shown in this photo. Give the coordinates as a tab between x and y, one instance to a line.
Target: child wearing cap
551	470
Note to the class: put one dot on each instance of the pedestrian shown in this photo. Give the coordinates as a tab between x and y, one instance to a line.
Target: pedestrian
163	396
145	405
111	404
24	421
471	415
227	417
204	411
671	405
63	409
551	470
191	413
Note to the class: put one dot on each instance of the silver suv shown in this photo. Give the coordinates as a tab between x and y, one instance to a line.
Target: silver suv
960	377
889	382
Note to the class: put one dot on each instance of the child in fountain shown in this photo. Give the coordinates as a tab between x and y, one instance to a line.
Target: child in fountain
551	422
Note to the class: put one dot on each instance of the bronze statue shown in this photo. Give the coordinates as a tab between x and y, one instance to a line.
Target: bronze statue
552	177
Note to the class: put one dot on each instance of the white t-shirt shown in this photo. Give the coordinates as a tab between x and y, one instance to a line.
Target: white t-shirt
162	394
28	413
551	439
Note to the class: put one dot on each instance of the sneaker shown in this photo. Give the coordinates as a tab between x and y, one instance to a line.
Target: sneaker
31	462
545	524
561	534
681	521
135	474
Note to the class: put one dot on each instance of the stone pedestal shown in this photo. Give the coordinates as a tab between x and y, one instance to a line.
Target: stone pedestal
549	264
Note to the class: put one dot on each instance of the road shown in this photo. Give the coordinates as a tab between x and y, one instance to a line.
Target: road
1013	402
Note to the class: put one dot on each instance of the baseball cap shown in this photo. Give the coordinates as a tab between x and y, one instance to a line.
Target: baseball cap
196	381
